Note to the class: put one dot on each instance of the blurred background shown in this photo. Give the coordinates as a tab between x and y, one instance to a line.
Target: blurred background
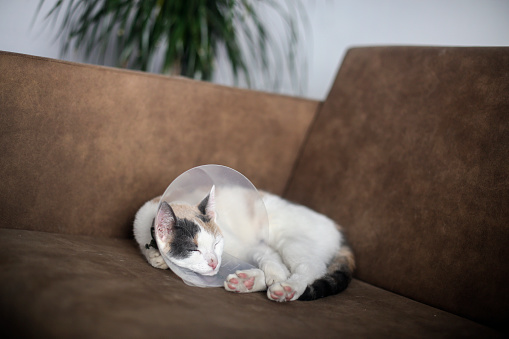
304	41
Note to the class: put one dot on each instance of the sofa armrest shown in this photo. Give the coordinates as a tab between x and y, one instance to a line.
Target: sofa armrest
410	152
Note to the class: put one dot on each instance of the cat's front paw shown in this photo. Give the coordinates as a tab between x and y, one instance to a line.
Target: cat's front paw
155	259
275	272
282	292
245	281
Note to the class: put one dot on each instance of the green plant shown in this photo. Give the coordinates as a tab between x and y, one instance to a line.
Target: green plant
184	36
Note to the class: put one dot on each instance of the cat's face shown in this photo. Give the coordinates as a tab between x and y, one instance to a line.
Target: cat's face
190	235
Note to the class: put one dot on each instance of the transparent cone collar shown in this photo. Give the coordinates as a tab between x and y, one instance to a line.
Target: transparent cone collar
240	214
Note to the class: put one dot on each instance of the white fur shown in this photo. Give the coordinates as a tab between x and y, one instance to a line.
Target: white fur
210	248
142	224
306	242
301	244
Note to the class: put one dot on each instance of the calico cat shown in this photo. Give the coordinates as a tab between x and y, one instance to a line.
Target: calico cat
306	257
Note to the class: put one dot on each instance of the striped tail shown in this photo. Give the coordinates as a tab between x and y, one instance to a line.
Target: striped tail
338	276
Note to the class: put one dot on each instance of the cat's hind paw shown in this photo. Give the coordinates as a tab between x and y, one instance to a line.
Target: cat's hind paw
282	292
246	281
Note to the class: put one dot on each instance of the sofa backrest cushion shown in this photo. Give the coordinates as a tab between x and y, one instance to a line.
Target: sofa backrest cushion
82	147
410	153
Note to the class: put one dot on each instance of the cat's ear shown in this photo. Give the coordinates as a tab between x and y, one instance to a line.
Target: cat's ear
208	205
165	221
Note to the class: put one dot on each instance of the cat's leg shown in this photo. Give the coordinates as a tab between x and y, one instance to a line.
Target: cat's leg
272	270
246	281
141	229
305	269
270	262
291	289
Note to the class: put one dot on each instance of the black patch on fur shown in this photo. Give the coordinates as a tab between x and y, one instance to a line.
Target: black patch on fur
153	242
203	205
182	243
329	284
203	218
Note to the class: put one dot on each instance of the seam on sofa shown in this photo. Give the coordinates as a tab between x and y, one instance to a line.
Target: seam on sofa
315	118
301	149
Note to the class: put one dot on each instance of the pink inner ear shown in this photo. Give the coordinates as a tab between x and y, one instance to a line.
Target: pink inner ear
210	209
164	222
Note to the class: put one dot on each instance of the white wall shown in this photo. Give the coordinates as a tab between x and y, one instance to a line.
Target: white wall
334	26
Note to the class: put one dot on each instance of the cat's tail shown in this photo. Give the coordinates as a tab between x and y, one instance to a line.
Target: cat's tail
338	276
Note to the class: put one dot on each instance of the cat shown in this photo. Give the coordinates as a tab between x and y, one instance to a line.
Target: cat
306	257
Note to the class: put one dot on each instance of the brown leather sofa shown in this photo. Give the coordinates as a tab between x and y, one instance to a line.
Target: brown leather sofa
409	152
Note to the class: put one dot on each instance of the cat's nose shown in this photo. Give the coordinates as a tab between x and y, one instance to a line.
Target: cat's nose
213	263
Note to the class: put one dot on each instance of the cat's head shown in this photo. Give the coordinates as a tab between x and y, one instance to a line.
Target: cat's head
190	236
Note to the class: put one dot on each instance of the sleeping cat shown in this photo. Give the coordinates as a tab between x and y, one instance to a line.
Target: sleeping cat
306	257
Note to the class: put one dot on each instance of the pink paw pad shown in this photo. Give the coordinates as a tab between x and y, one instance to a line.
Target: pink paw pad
290	293
249	283
284	294
240	282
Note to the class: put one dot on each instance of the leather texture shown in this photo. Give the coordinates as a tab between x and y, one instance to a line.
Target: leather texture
68	286
83	147
410	153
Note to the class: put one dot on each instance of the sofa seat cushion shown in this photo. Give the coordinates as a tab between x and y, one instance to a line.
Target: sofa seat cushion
67	286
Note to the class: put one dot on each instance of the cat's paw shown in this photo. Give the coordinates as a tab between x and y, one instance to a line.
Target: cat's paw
282	292
155	259
275	272
246	281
